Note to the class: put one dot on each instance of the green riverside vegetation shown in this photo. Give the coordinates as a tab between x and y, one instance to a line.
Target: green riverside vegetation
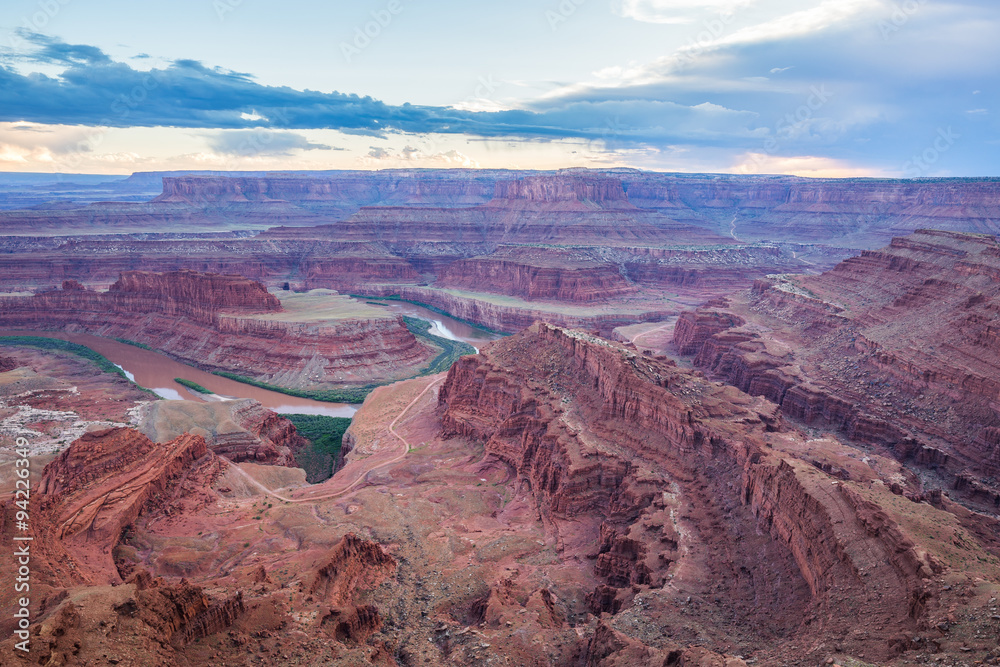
134	344
344	395
325	436
193	386
42	343
433	309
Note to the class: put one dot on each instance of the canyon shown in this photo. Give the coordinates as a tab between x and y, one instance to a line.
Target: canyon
895	348
533	236
845	213
732	420
229	323
563	499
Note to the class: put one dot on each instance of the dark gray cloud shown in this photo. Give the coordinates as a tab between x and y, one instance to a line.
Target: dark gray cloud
876	91
94	90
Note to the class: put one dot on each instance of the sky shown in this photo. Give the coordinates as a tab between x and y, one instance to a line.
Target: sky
824	88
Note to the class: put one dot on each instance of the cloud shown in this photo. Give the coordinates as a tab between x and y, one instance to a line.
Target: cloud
261	141
188	94
887	96
674	11
808	165
408	156
49	50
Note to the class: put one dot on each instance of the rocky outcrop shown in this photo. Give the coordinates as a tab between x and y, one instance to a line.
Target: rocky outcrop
96	488
693	328
610	648
7	364
352	566
895	347
191	294
241	430
595	429
532	275
227	323
154	619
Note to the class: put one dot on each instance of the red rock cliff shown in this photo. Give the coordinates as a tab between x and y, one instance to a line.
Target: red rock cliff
596	429
897	347
566	188
194	294
97	487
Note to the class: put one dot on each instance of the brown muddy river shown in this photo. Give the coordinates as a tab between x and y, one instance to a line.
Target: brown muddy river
156	371
441	325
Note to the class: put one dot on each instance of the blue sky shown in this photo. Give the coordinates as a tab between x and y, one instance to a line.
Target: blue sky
813	87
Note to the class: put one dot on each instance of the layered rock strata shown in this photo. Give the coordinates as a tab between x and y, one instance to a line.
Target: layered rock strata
895	347
554	275
242	430
225	323
99	486
594	429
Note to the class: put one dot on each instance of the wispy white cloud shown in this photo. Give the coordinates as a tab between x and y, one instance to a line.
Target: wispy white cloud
409	156
675	11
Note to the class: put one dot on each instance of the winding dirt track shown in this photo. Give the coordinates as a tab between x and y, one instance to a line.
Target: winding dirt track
364	471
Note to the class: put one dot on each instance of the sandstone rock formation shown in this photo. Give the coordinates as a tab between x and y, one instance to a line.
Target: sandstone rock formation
895	348
533	274
242	430
98	487
227	323
695	486
87	501
352	566
196	295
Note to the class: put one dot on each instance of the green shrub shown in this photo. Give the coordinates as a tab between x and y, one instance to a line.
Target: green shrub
194	386
325	436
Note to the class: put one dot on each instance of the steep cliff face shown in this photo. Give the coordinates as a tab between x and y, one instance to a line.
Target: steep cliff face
356	273
346	188
193	294
594	429
226	323
572	190
545	276
97	487
848	212
896	347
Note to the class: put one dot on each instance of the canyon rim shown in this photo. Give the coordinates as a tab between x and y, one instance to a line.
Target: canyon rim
646	333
